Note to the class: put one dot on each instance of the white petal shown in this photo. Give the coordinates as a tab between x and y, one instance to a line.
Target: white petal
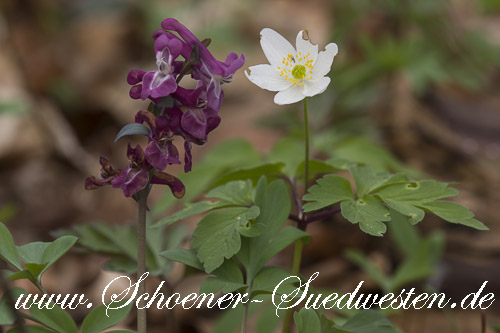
289	96
275	47
315	87
267	77
304	46
324	61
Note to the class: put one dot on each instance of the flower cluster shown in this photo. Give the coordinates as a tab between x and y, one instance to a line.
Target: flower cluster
188	114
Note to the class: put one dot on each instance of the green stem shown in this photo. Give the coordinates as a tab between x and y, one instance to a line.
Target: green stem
297	253
142	202
306	130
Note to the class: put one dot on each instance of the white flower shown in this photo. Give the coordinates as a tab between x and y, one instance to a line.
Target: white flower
294	73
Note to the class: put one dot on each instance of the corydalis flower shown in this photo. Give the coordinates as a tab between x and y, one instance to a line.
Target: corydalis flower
135	177
294	73
161	151
161	82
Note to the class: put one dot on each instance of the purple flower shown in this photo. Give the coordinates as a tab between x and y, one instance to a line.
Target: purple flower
161	151
209	69
161	82
107	175
136	176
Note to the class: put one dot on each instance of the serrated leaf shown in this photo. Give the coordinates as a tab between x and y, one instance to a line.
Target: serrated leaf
329	190
272	170
274	202
132	129
186	257
189	210
368	180
8	250
97	320
217	236
455	213
238	192
414	214
55	318
417	192
369	212
367	321
307	321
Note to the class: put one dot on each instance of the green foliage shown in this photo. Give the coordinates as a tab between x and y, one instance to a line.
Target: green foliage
217	236
306	320
54	318
119	242
366	321
421	255
97	320
36	257
6	315
379	192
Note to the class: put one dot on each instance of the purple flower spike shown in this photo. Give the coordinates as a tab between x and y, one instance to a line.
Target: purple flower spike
136	176
210	69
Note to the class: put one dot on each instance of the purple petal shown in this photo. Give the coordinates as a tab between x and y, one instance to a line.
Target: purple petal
163	86
135	76
194	122
160	154
131	181
176	186
174	45
136	91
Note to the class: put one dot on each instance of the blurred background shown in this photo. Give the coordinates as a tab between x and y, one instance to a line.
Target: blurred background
419	78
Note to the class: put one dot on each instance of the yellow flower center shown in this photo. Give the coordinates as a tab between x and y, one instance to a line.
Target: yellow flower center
296	68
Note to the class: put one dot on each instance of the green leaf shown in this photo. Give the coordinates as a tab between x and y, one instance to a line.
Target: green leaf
132	129
57	249
217	236
8	251
97	320
186	257
189	210
329	190
418	192
238	192
55	318
269	277
274	203
272	170
454	213
315	168
6	315
368	181
367	321
414	214
307	321
369	212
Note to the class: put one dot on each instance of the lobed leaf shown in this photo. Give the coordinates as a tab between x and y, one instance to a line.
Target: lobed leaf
329	190
369	212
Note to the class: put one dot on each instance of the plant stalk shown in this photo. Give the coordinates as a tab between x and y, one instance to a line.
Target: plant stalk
142	202
297	253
